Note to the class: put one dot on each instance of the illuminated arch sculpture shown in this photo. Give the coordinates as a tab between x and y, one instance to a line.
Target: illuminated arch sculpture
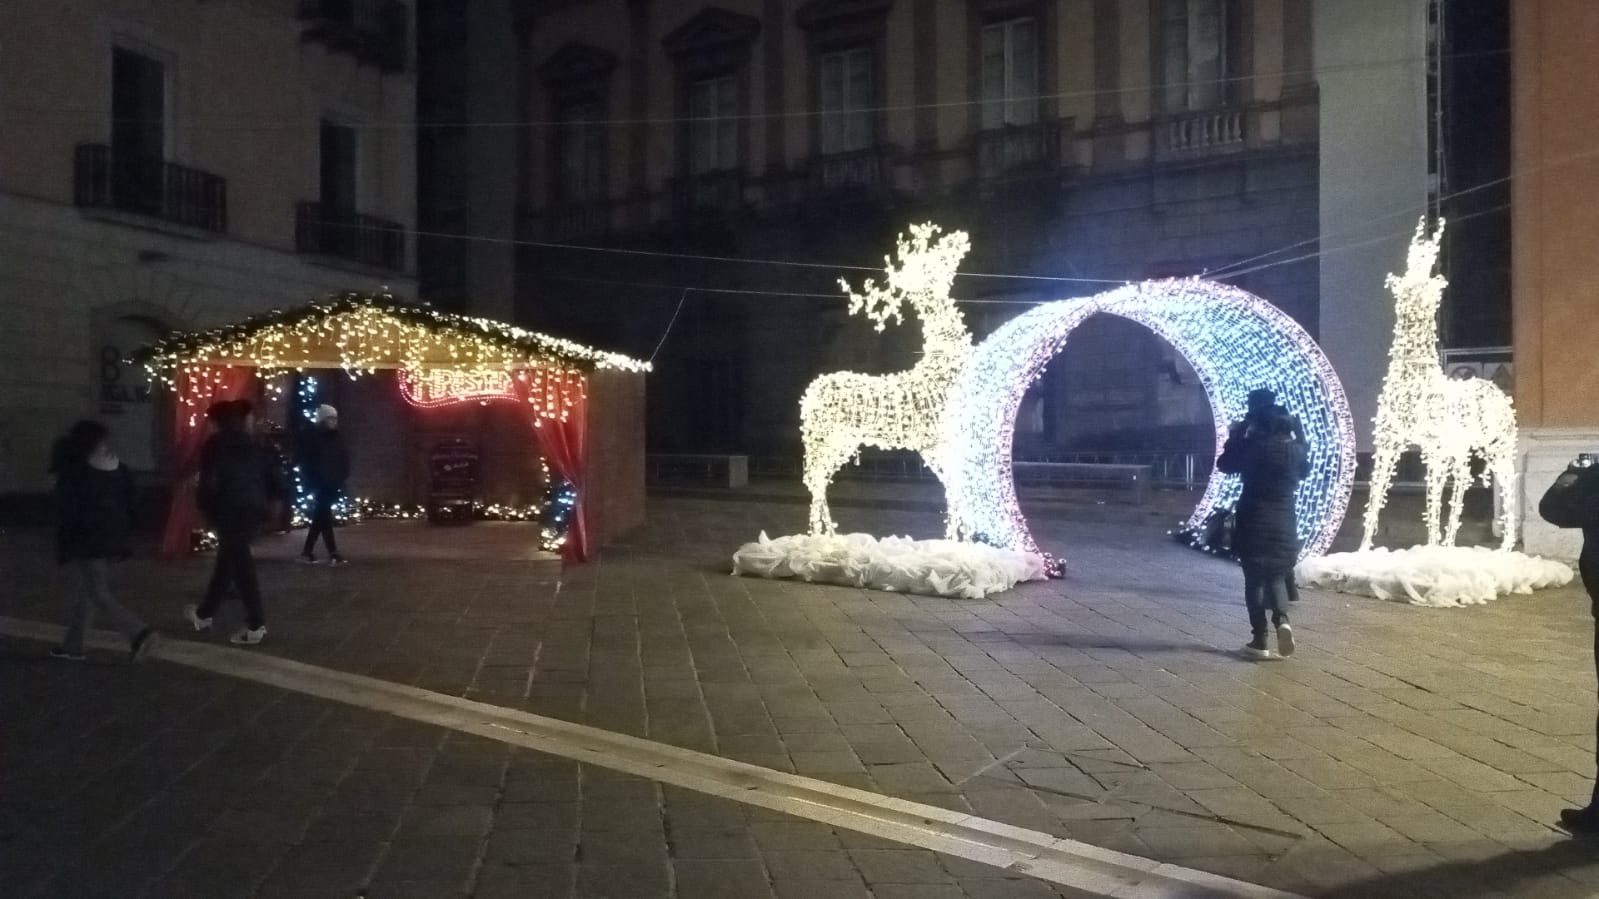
1234	340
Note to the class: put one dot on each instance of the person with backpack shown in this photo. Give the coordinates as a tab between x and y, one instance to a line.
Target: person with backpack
1268	452
94	526
239	481
1573	502
325	465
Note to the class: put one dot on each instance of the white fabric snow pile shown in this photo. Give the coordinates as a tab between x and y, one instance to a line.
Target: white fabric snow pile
898	564
1439	576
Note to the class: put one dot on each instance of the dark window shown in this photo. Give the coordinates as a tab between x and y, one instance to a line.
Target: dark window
1194	54
1010	73
580	153
847	100
713	125
339	191
138	128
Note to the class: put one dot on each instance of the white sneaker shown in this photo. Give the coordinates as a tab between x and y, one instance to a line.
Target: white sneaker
192	613
1285	640
248	636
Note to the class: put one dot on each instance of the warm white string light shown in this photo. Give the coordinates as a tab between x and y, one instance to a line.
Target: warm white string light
1235	342
1452	421
843	411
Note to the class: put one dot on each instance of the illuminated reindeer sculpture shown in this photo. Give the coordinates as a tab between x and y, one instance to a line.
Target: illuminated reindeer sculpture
841	412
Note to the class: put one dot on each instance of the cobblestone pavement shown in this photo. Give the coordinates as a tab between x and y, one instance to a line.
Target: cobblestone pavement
1403	751
173	784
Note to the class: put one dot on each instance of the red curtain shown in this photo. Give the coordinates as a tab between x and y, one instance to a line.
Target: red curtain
563	444
197	389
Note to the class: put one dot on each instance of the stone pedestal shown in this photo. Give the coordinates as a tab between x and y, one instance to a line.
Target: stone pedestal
1545	453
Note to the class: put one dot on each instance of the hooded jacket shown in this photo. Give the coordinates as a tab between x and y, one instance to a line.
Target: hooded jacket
1271	466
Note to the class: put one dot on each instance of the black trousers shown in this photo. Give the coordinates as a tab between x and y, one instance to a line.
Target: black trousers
1264	592
235	568
322	522
1589	569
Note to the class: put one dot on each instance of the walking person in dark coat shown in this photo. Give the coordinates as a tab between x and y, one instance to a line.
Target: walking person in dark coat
325	464
94	513
239	481
1573	502
1268	452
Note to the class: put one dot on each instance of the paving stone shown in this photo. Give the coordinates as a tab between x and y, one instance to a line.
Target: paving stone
433	858
711	843
821	889
809	865
529	847
901	866
721	879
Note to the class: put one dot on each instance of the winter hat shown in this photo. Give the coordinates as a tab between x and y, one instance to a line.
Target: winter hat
325	413
1261	399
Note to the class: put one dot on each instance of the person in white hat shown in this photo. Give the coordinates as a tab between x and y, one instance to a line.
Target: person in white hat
325	465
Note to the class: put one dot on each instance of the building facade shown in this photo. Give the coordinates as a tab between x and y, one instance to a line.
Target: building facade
1095	140
466	155
181	165
1553	267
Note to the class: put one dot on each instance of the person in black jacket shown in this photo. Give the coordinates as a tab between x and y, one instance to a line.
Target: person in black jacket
325	465
1573	501
94	523
239	481
1268	452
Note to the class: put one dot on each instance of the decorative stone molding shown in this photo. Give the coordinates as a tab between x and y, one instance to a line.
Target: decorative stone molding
714	39
821	14
576	66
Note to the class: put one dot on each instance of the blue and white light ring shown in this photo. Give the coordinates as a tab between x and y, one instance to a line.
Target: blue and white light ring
1235	342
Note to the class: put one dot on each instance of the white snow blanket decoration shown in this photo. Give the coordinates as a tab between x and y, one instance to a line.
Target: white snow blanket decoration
898	564
1438	576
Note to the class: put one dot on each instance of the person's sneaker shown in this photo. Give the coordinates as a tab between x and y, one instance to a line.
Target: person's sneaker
1584	821
1256	649
337	561
142	645
1285	639
249	636
191	613
65	654
306	559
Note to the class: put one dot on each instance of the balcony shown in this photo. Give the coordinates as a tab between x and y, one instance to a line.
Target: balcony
860	170
575	221
339	234
1002	151
374	31
708	192
151	188
1204	131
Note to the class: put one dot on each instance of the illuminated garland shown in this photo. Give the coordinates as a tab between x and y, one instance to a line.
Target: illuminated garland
554	513
361	333
1235	342
1452	421
844	411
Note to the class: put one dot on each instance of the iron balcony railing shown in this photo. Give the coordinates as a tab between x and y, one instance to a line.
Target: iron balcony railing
321	230
1005	149
835	172
721	191
1205	131
571	221
375	31
149	187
